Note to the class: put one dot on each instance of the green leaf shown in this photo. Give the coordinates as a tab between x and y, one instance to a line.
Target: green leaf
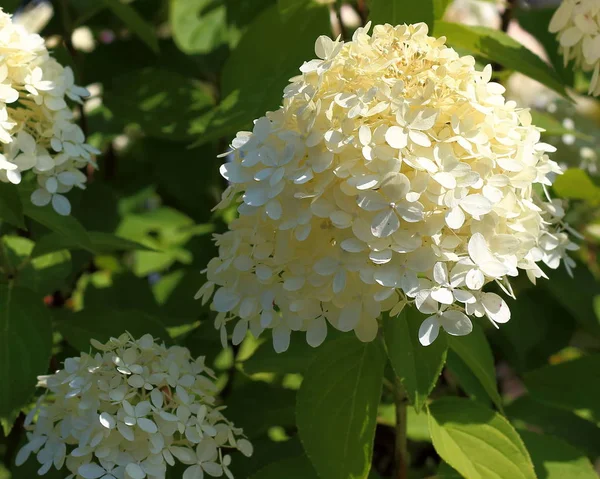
466	379
581	433
198	26
121	292
397	12
9	6
270	406
108	243
175	293
576	184
536	21
336	409
289	8
539	327
496	46
193	193
11	209
25	345
554	127
247	91
576	294
571	385
44	274
476	353
476	440
68	227
295	360
47	274
163	103
556	459
205	341
102	243
135	22
266	452
439	8
79	328
417	366
417	427
446	472
298	467
148	262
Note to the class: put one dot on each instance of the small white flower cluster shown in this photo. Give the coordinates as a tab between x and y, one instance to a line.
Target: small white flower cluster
577	23
129	412
37	131
394	173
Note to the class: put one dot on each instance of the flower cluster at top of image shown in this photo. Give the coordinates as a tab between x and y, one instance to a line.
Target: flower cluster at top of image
37	128
394	173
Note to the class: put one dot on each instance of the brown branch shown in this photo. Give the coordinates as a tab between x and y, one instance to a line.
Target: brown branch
507	15
361	6
337	26
505	19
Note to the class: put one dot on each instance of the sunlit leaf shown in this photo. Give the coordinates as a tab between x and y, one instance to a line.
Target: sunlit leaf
475	440
336	407
498	47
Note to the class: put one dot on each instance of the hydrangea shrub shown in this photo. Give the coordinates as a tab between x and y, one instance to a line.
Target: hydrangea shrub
396	255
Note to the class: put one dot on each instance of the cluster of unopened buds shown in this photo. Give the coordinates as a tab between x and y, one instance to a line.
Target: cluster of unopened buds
37	128
129	412
577	23
394	173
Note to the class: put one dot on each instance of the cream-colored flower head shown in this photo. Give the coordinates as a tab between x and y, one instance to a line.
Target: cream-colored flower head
129	412
394	173
37	130
577	23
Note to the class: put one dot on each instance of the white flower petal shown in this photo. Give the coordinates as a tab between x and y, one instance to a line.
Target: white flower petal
107	421
135	471
349	317
366	329
475	279
495	308
281	338
396	137
245	447
193	472
315	333
476	205
40	197
385	223
91	471
147	425
61	205
456	323
428	331
225	300
442	295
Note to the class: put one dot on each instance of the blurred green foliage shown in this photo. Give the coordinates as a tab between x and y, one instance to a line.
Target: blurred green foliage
172	82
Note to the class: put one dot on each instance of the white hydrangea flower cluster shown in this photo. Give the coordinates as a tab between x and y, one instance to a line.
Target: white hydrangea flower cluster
577	23
129	412
395	173
37	131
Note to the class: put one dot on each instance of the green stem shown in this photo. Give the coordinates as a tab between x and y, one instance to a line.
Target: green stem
400	449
